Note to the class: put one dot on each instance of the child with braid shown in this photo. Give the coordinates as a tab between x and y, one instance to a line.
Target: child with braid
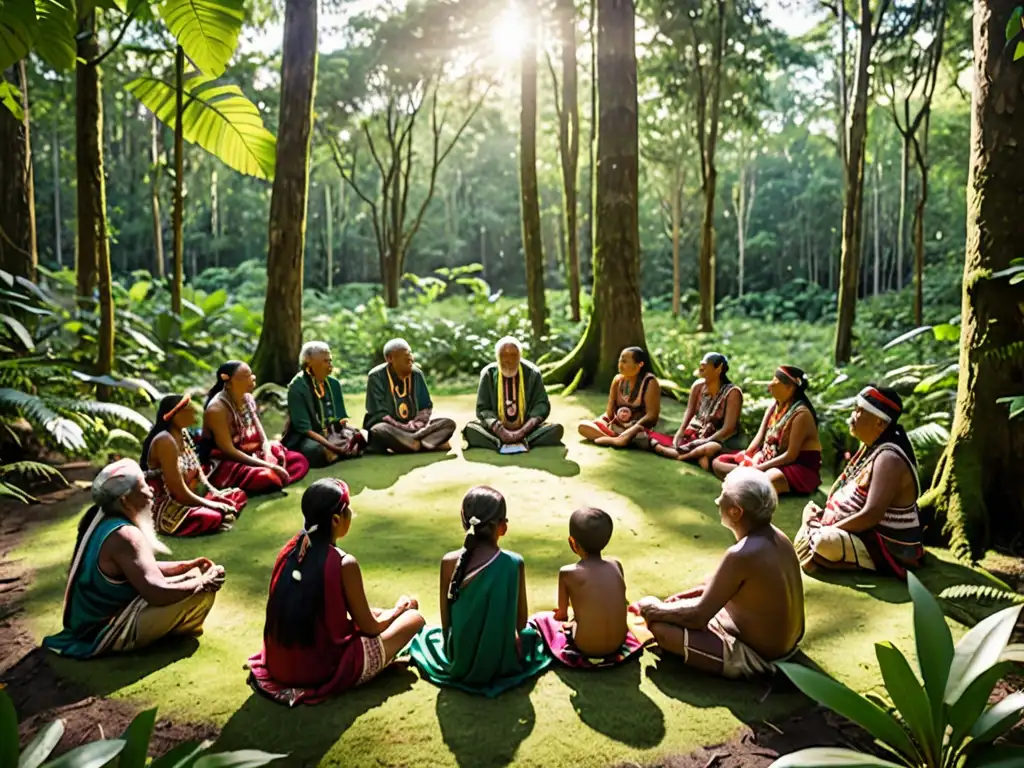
483	644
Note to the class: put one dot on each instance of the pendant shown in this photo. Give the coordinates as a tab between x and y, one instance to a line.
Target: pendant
403	410
510	409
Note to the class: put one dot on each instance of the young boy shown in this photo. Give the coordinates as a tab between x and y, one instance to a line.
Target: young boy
595	587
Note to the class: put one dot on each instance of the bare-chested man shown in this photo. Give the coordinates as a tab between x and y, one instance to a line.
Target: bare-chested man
751	611
595	587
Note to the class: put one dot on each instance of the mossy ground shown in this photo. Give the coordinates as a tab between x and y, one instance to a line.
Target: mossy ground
667	534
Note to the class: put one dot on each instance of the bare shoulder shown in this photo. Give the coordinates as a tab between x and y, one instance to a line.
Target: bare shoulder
889	461
569	572
125	541
165	443
452	557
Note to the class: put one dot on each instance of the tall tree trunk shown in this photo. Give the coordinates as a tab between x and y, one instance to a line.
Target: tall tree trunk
569	141
154	198
178	211
18	254
616	321
710	178
901	235
329	219
533	246
588	231
277	353
853	203
93	244
922	199
677	216
877	276
58	219
483	252
743	206
978	492
215	216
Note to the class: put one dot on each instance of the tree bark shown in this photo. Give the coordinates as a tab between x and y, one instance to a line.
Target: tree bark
58	219
853	204
329	219
277	354
920	155
743	206
616	321
154	198
978	492
569	142
677	215
178	211
901	235
877	276
533	246
18	254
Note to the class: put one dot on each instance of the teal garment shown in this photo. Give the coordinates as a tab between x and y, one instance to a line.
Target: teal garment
382	401
479	653
309	413
94	601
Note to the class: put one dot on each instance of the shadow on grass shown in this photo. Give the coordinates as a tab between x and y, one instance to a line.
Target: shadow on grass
550	459
307	733
610	701
376	472
484	732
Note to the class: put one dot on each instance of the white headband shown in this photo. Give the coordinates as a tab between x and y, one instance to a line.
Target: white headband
868	406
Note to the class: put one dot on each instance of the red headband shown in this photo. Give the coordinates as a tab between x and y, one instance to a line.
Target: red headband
787	373
345	497
171	413
872	392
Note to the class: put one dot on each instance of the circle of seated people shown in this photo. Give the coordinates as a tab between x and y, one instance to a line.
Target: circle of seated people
321	636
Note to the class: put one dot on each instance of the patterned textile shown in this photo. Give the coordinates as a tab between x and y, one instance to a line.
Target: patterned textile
710	414
558	636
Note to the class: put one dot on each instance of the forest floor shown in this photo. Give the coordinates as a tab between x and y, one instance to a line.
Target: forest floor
667	535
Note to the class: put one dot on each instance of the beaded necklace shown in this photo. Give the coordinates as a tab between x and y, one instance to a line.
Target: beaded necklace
325	389
398	395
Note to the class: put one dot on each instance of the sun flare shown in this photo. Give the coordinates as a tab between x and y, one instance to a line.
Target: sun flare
508	36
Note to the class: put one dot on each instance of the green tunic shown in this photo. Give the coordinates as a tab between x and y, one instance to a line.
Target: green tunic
309	413
479	654
488	409
94	600
383	399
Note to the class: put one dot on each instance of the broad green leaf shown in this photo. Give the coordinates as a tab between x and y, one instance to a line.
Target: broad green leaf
978	650
1016	405
136	740
910	698
245	758
94	755
139	291
216	117
206	29
825	757
17	30
1014	24
182	756
11	98
999	718
907	336
8	732
20	331
1017	56
852	706
934	644
55	33
946	332
215	301
964	714
42	745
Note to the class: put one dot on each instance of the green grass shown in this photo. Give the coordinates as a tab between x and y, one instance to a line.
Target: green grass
667	534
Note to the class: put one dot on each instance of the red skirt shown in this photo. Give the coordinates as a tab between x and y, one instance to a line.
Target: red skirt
256	480
803	475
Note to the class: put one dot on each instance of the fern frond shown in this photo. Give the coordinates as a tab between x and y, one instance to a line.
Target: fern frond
1006	352
65	432
928	436
31	469
13	492
982	594
111	411
124	443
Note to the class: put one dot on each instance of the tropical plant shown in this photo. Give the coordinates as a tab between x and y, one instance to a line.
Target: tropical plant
1014	29
24	469
131	750
938	720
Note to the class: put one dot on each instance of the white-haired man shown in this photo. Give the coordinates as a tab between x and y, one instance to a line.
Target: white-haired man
399	411
511	404
118	596
318	425
750	613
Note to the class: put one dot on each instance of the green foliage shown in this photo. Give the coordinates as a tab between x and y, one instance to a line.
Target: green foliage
27	470
984	595
206	29
216	116
796	300
939	722
1014	27
131	749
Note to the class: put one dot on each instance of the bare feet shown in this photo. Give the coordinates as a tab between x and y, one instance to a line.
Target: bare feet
705	463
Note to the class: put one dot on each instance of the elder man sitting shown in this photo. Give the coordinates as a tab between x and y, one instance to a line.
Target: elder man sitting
118	596
751	612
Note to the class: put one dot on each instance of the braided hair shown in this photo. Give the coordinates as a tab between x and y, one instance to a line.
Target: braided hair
483	510
161	425
297	596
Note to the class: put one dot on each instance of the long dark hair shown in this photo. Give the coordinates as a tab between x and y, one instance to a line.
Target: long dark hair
297	598
640	357
161	425
718	360
488	507
799	380
894	433
229	369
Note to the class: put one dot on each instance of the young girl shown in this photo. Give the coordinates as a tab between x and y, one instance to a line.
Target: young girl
235	446
483	644
185	503
321	637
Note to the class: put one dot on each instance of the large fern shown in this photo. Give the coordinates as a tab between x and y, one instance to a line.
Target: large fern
981	594
106	411
928	436
66	433
25	469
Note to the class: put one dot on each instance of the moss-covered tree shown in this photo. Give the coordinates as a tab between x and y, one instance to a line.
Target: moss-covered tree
978	491
17	199
529	195
277	354
616	320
